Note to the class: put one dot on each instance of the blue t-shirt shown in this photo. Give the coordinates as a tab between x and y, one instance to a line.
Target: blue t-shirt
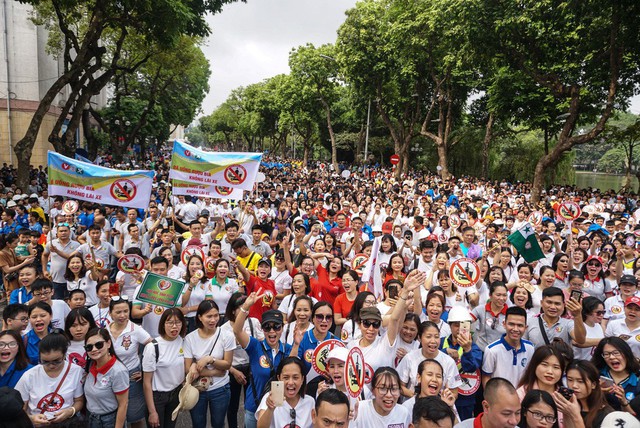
20	295
12	375
32	342
308	344
263	366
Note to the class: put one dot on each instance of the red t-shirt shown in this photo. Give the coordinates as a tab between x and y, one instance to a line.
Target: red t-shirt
268	288
326	289
342	305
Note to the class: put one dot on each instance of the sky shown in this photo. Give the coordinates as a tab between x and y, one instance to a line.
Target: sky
251	41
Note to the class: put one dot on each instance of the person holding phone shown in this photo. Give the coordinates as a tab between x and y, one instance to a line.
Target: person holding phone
296	407
468	357
575	291
592	314
619	370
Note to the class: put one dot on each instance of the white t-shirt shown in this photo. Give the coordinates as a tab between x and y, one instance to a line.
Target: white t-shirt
198	294
381	353
221	293
408	369
101	316
619	328
196	347
594	332
76	353
126	345
168	372
282	280
286	306
367	417
350	332
60	311
36	387
282	415
86	284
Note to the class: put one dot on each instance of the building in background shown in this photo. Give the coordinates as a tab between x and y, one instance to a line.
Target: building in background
27	71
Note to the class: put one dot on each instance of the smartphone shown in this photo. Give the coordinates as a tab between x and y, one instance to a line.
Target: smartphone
606	382
393	291
277	392
565	392
217	219
49	415
576	295
465	328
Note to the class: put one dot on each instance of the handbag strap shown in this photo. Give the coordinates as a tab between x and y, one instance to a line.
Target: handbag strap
53	396
215	342
543	330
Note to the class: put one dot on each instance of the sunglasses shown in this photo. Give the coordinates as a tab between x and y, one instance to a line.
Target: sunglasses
368	323
595	264
272	327
63	224
98	345
599	313
320	317
494	323
53	363
292	415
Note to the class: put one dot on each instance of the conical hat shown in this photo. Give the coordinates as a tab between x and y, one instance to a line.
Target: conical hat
188	397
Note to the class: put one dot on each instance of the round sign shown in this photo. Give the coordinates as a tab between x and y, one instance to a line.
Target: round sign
70	207
395	159
322	166
198	274
637	233
319	358
569	211
346	174
535	218
190	250
224	191
358	262
442	238
235	174
630	241
123	190
210	264
260	177
600	207
130	263
354	372
470	383
464	272
454	221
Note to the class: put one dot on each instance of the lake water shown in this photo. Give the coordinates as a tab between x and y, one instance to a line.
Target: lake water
602	181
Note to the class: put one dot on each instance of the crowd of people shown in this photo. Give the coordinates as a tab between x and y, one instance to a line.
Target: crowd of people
551	343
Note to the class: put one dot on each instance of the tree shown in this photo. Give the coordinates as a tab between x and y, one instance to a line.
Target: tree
317	69
625	134
579	56
90	36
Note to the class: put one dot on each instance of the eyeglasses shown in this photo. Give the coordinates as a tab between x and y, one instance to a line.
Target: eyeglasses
118	298
394	390
23	319
98	345
54	363
599	313
63	224
292	415
42	293
369	303
320	317
368	323
9	345
550	419
272	327
173	323
611	354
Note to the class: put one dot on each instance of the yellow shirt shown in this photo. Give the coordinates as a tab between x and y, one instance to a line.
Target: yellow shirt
251	261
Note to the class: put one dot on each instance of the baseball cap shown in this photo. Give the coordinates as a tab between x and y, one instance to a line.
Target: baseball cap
338	353
11	204
620	420
633	300
376	229
372	313
628	279
264	260
272	315
387	227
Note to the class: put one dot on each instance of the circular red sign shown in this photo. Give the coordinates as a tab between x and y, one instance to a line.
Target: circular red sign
225	191
319	356
235	174
464	272
123	190
395	159
131	263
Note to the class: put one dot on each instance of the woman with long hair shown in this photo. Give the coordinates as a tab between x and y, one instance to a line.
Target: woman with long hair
587	403
83	275
343	303
163	369
300	286
208	354
222	287
76	326
300	319
383	409
52	392
544	371
127	337
196	291
615	360
240	371
329	279
107	384
13	358
490	318
539	410
297	406
561	266
594	281
395	269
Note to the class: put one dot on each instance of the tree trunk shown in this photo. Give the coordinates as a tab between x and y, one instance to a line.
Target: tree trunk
305	158
87	131
486	143
443	155
541	168
334	148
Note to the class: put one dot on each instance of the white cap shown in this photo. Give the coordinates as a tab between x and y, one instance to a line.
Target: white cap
11	204
339	353
296	220
33	195
17	197
376	229
620	420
